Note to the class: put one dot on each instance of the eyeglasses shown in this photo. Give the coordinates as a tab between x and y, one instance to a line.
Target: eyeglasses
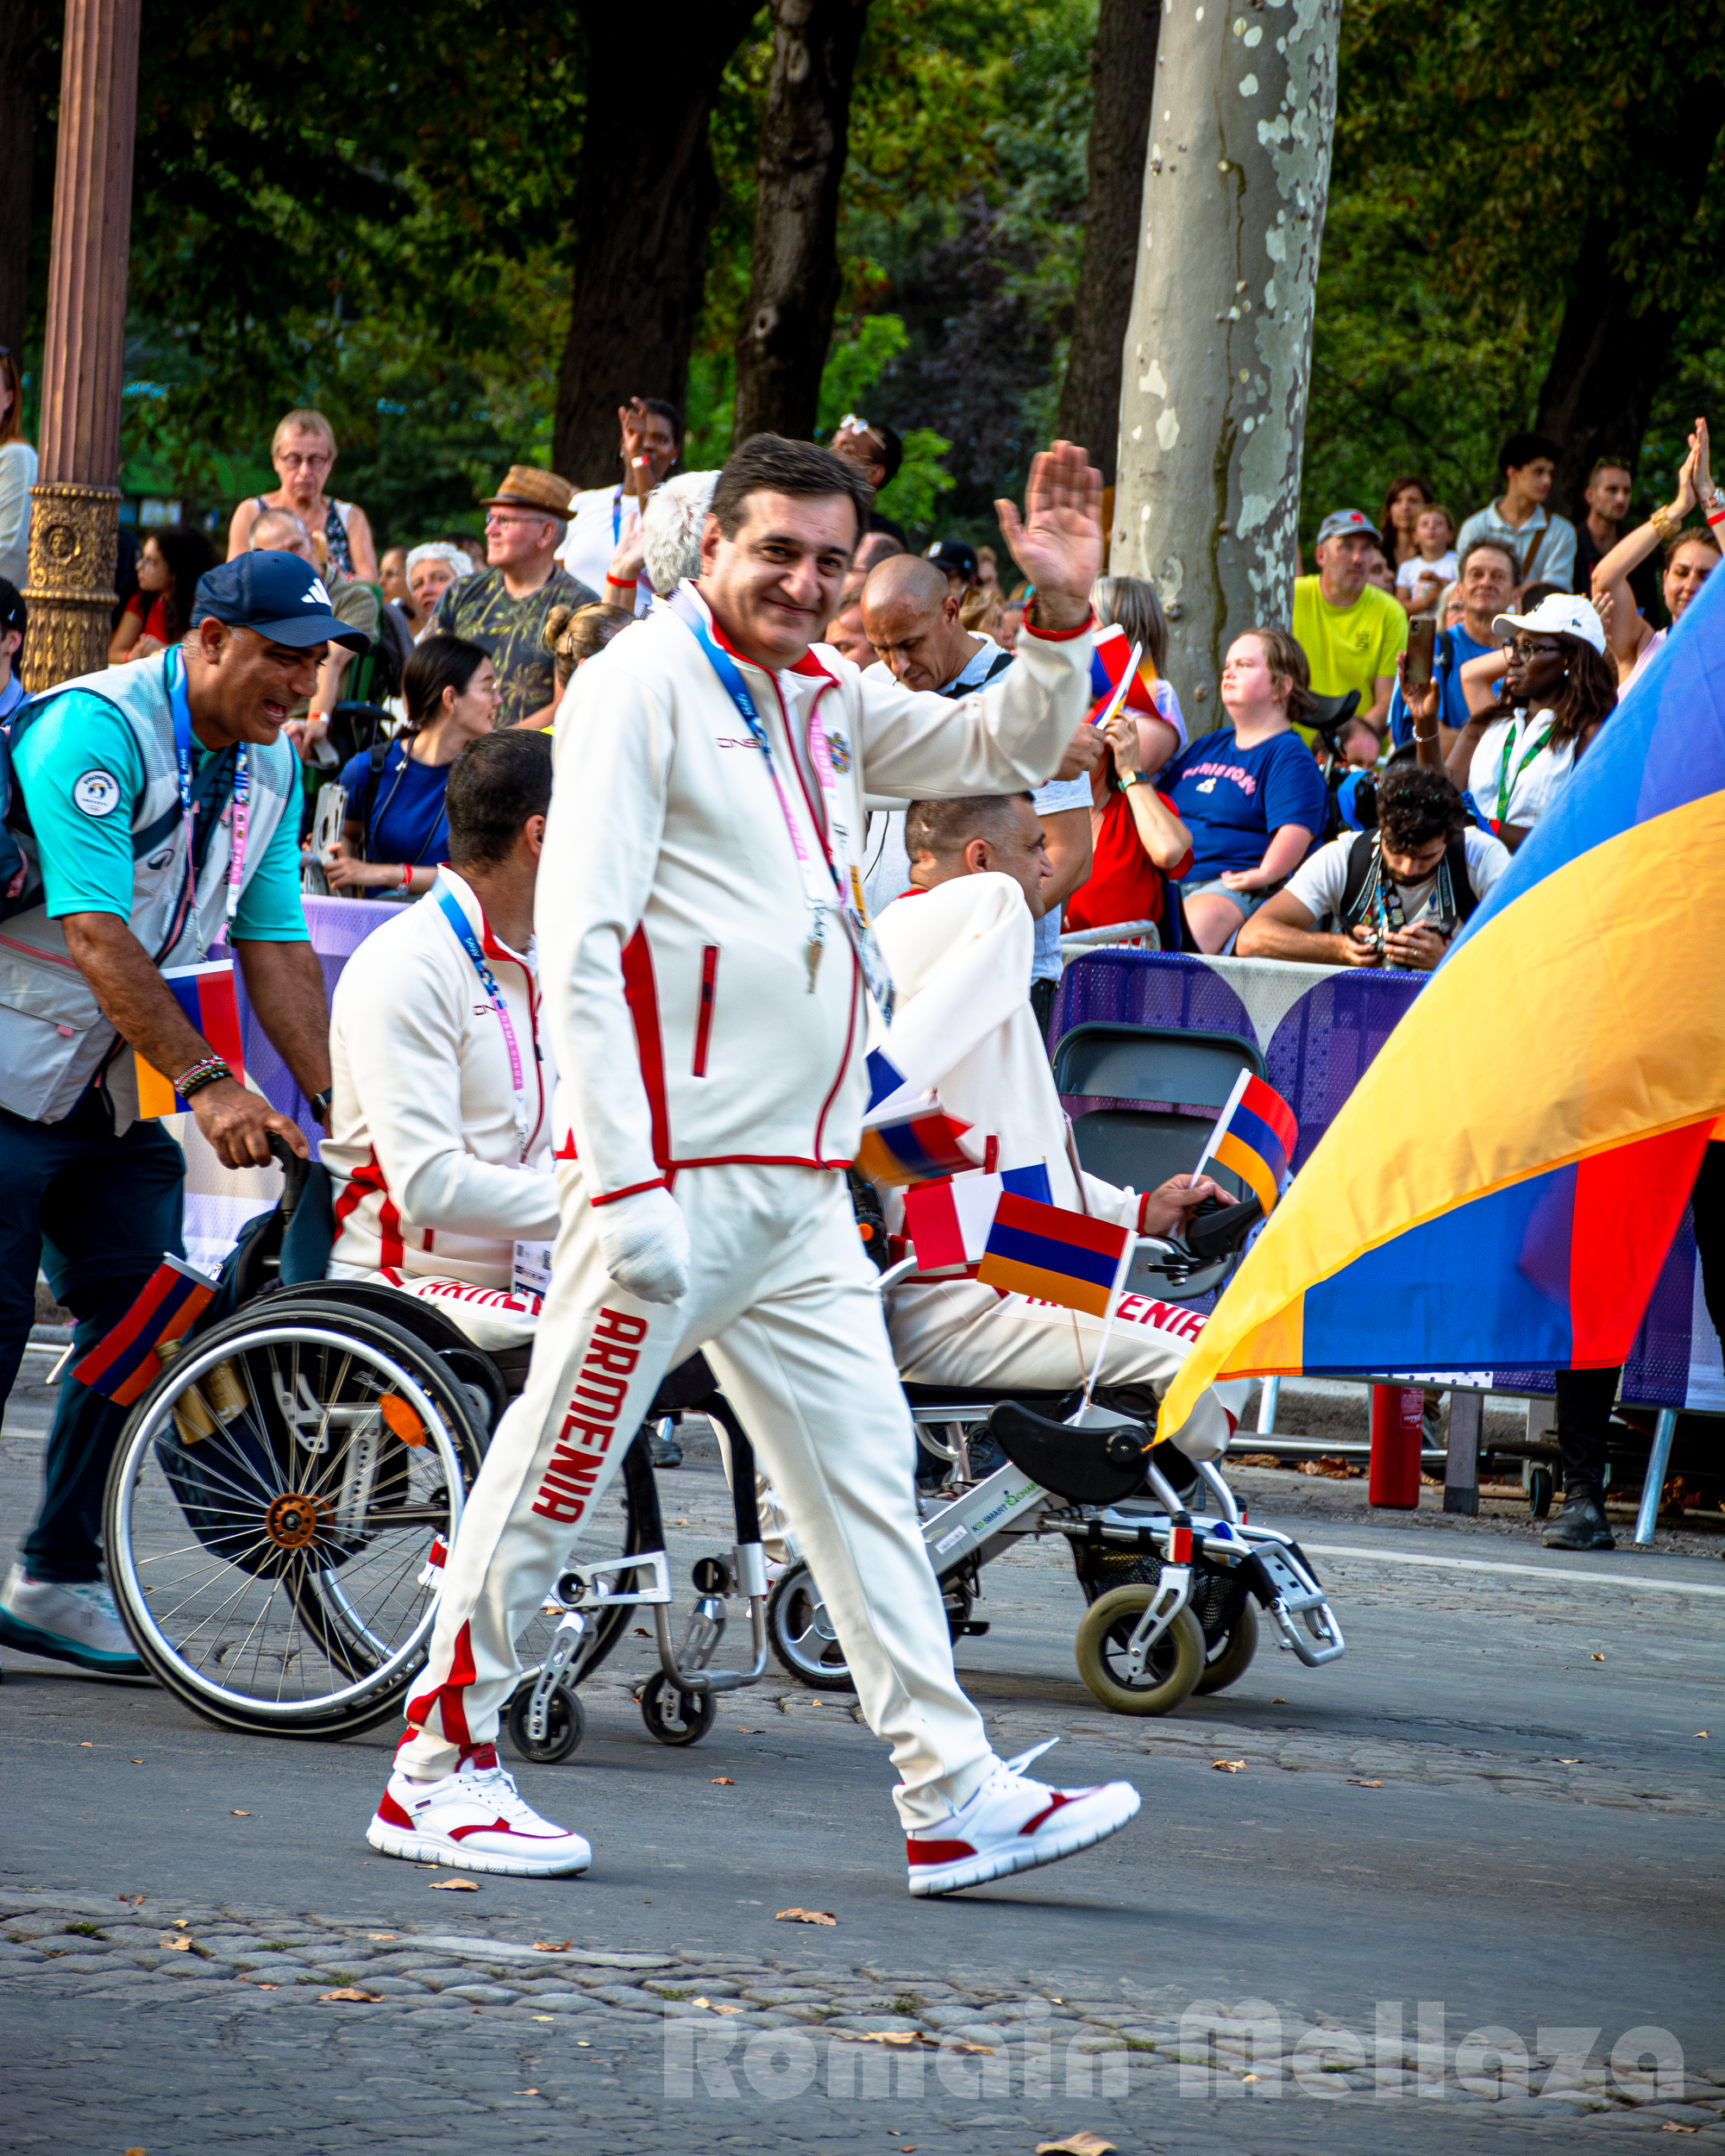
494	517
294	461
851	424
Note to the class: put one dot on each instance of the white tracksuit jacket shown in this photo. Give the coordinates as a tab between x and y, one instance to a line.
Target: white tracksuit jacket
667	930
424	1149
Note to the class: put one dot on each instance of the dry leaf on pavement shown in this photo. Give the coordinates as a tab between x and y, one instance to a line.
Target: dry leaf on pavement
805	1916
1076	2144
551	1946
717	2006
176	1945
1358	1785
349	1991
1229	1766
242	1814
453	1886
724	1781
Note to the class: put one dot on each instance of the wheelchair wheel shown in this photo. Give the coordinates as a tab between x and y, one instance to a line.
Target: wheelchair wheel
675	1717
1226	1659
565	1724
1541	1488
1171	1670
801	1636
271	1514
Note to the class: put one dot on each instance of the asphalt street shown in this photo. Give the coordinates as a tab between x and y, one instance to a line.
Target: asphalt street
1498	1813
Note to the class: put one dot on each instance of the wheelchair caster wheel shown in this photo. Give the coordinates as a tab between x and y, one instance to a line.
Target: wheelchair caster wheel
1171	1670
1541	1488
566	1723
1226	1659
675	1717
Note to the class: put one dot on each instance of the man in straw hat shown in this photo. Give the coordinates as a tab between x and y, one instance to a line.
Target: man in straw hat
503	608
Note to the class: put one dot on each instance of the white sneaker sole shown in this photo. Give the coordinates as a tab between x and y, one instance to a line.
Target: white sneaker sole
420	1848
1011	1856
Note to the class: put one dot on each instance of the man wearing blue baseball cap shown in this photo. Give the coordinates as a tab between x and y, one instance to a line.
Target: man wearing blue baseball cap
154	807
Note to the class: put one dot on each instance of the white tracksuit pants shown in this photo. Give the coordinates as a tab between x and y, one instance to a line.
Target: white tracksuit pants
784	1302
491	1317
958	1332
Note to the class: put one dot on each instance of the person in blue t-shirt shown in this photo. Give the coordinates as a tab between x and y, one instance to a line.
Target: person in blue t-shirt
1250	794
394	832
1486	586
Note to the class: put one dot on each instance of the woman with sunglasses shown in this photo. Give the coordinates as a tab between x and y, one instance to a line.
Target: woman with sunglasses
303	451
1558	689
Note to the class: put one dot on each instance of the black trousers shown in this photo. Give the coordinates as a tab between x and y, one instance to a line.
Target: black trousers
1585	1397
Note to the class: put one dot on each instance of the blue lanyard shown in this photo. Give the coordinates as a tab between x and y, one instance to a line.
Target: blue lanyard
180	703
470	943
616	517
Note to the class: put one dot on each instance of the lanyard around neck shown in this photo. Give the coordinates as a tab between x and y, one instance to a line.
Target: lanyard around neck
819	894
470	943
180	703
1506	784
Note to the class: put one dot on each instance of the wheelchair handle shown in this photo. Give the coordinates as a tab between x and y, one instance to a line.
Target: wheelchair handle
294	1172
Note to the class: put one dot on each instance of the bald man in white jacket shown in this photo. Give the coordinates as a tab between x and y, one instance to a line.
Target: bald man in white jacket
703	963
957	942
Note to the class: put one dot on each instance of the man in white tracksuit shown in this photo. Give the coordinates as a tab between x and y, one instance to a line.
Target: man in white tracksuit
957	944
702	959
443	1082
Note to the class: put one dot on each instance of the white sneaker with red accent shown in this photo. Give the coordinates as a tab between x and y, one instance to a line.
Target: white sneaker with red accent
1014	1824
473	1819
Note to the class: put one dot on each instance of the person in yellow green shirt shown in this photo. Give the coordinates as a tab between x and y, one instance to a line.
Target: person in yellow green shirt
1352	633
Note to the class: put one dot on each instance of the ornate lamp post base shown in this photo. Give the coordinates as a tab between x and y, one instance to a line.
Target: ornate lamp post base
74	532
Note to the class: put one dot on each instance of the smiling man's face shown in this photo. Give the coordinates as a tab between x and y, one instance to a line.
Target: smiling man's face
774	586
241	686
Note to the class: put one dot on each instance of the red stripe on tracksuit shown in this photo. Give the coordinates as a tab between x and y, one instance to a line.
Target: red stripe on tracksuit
447	1699
643	998
367	1182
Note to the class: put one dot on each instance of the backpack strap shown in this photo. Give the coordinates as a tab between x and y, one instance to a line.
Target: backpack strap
1362	858
1461	884
379	755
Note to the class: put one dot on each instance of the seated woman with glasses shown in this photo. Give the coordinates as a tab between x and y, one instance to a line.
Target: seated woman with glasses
1558	689
304	454
394	832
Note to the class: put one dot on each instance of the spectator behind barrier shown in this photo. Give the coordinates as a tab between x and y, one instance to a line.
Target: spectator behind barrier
956	562
159	612
1421	578
601	549
17	475
1390	897
1607	495
1378	572
876	547
1544	541
671	529
845	632
874	453
503	608
1558	689
1350	632
279	531
15	620
303	451
575	634
1690	560
1405	500
1486	586
394	831
431	569
1248	793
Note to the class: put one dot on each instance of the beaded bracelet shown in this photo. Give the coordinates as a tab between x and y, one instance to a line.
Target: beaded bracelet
200	1074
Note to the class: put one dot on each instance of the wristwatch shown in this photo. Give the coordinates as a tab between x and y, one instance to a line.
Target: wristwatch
322	1103
1133	778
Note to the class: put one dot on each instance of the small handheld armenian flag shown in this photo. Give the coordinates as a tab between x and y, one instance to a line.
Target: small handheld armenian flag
206	995
1115	677
1255	1135
121	1366
1058	1255
911	1143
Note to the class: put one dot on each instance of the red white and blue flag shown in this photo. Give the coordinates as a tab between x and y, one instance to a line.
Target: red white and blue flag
122	1366
948	1222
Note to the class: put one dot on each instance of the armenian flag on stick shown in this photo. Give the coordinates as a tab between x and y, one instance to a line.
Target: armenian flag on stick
121	1366
206	995
1063	1258
1255	1135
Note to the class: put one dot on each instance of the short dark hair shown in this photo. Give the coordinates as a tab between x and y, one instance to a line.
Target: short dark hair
436	664
1522	447
892	450
1609	464
768	463
672	417
945	828
494	786
1497	546
1416	804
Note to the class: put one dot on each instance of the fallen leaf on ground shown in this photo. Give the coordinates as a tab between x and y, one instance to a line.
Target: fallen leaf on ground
716	2006
86	1745
1358	1785
133	2152
1670	2126
176	1945
242	1814
266	1987
1076	2144
1569	1763
349	1991
804	1916
1700	1733
642	1633
724	1781
182	1923
552	1946
1278	1702
1229	1766
138	1762
453	1886
680	1523
379	1938
1332	1468
525	2093
1599	1658
544	2017
756	1733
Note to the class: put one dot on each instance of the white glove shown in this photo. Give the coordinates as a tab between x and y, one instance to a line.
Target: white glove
643	1241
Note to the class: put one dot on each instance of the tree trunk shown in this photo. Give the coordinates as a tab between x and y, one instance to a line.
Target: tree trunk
1122	78
794	284
19	47
644	203
1218	354
1608	361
